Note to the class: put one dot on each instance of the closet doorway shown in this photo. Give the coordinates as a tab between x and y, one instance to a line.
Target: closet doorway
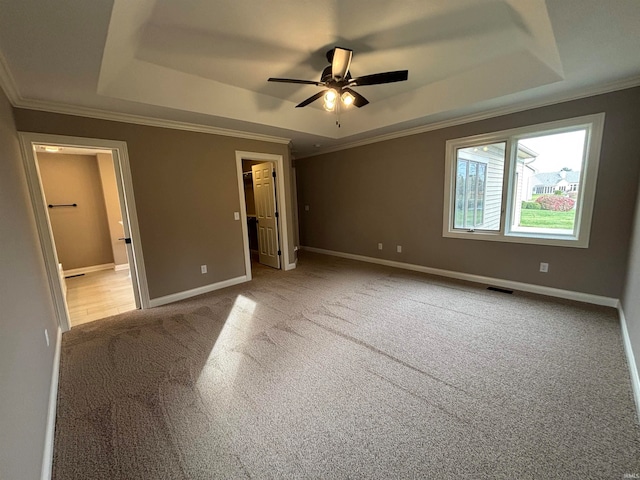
263	210
79	194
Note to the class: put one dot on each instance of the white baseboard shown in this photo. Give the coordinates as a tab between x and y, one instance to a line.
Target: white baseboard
92	268
124	266
174	297
498	282
631	360
47	456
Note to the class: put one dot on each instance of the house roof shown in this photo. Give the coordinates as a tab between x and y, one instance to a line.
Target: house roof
550	179
206	63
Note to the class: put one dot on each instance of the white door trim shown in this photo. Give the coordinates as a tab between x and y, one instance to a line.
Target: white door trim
283	208
125	187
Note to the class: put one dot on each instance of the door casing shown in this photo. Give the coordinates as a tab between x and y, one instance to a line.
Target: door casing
45	233
283	207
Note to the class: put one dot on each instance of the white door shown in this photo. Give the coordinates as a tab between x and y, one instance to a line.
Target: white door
264	192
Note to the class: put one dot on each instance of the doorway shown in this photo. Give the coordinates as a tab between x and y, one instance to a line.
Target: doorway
263	210
82	198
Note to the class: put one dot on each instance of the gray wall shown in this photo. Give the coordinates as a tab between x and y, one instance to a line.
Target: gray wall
26	310
392	192
631	297
186	191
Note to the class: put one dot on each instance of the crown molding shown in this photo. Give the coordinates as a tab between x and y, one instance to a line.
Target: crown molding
142	120
493	113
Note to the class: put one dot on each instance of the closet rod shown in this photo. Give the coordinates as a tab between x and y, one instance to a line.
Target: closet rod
63	205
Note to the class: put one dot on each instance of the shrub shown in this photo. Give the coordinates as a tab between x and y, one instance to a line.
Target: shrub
531	206
556	203
558	192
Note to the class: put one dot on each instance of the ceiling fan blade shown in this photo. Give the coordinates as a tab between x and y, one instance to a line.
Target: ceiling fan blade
379	78
340	63
359	101
293	80
311	99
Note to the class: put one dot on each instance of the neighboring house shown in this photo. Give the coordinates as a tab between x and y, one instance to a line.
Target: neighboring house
549	182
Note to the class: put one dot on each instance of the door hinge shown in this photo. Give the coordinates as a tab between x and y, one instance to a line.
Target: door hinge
126	240
273	174
277	215
279	252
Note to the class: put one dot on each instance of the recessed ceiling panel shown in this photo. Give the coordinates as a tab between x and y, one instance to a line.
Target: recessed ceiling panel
215	58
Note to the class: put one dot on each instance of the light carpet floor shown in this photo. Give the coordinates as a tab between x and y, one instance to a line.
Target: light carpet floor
340	369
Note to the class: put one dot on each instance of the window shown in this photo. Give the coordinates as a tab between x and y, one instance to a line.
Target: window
479	175
530	185
470	189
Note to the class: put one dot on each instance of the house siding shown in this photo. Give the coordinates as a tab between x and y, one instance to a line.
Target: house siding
494	159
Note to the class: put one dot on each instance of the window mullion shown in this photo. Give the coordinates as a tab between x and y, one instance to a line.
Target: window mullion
466	196
505	210
475	198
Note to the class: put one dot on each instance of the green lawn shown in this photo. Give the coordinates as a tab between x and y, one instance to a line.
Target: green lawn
547	219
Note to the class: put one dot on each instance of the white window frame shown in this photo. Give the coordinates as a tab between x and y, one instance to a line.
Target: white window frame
579	238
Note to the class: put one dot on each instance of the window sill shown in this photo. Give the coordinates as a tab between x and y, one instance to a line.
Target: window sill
520	237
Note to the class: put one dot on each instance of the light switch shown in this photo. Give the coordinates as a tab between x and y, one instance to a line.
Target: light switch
236	215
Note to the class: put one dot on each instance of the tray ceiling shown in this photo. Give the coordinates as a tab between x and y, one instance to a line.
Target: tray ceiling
207	62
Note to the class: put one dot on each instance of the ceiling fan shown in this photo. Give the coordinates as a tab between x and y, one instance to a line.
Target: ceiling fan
337	81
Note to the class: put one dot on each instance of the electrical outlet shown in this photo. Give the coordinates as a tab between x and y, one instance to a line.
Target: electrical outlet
46	336
203	269
236	215
379	246
399	248
544	267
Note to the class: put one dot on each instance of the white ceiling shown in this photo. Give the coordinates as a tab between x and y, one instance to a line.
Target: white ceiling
207	63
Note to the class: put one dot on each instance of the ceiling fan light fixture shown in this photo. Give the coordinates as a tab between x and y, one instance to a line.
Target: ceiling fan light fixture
330	99
330	96
348	99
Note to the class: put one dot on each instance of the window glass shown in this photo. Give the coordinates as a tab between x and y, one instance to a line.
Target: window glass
549	167
479	177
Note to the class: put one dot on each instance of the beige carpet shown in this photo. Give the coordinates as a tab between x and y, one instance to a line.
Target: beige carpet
340	369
